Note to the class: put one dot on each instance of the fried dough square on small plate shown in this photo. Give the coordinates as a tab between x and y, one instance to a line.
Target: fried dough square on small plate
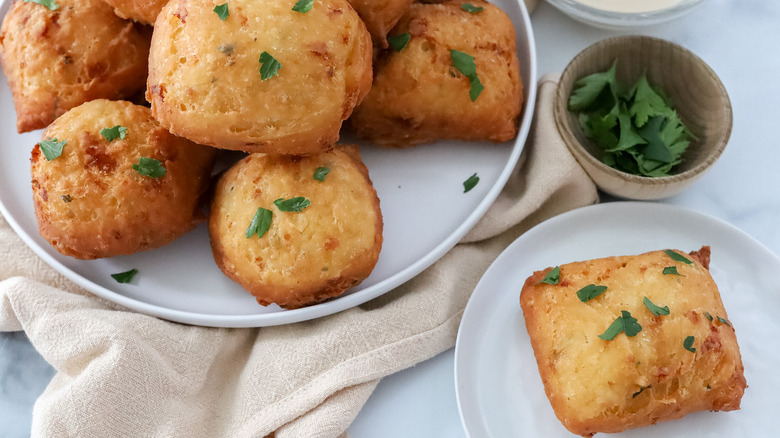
425	88
625	342
58	59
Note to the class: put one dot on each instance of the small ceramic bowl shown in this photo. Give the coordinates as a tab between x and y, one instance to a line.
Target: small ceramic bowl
646	13
697	94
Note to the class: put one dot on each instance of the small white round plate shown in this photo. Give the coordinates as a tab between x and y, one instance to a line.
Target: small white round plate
420	190
499	391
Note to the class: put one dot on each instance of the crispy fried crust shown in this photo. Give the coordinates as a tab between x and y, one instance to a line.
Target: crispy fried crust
205	83
57	60
308	256
90	203
380	16
418	95
609	386
142	11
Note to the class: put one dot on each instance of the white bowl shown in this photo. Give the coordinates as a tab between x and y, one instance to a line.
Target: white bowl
611	19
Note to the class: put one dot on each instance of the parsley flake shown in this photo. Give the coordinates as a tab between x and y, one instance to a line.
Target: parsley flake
50	4
293	204
677	257
655	310
624	323
320	172
590	292
671	270
112	134
303	6
66	198
724	321
466	65
470	183
688	344
125	277
260	223
52	148
398	42
222	11
269	66
149	167
552	277
468	7
708	316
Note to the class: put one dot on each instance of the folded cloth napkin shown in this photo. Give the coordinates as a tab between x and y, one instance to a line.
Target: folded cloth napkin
120	373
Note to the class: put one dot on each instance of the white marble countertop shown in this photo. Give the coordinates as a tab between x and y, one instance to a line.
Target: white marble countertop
738	39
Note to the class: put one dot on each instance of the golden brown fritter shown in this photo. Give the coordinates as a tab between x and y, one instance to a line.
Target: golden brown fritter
57	60
380	16
142	11
419	96
91	203
598	385
205	80
305	256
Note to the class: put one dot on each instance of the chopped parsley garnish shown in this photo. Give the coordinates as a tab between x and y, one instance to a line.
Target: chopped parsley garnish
66	198
677	257
293	204
125	277
468	7
552	277
222	11
50	4
226	48
624	323
671	270
51	148
320	172
708	316
260	223
112	134
688	344
590	292
269	66
149	167
465	64
303	6
655	310
470	183
724	321
398	42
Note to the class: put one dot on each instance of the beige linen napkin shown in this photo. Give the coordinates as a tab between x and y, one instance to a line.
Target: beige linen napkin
120	373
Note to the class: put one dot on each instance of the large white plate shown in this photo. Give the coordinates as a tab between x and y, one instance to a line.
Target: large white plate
421	193
499	391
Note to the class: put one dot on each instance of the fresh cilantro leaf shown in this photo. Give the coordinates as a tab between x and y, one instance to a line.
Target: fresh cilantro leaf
552	277
222	11
671	270
320	172
293	204
149	167
470	183
468	7
600	128
629	137
125	277
52	148
677	257
688	344
398	42
260	223
590	292
269	66
655	310
112	134
624	323
50	4
655	149
466	65
708	316
724	321
590	88
647	103
303	6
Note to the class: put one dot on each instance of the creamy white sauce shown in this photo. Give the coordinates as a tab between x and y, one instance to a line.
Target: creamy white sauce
630	5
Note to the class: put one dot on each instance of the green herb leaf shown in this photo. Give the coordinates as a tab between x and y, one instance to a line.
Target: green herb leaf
398	42
655	149
724	321
629	137
655	310
590	88
320	172
465	64
293	204
50	4
552	277
149	167
260	223
52	148
269	66
125	277
708	316
112	134
671	270
590	292
476	88
677	257
647	103
222	11
468	7
688	344
624	323
470	183
303	6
